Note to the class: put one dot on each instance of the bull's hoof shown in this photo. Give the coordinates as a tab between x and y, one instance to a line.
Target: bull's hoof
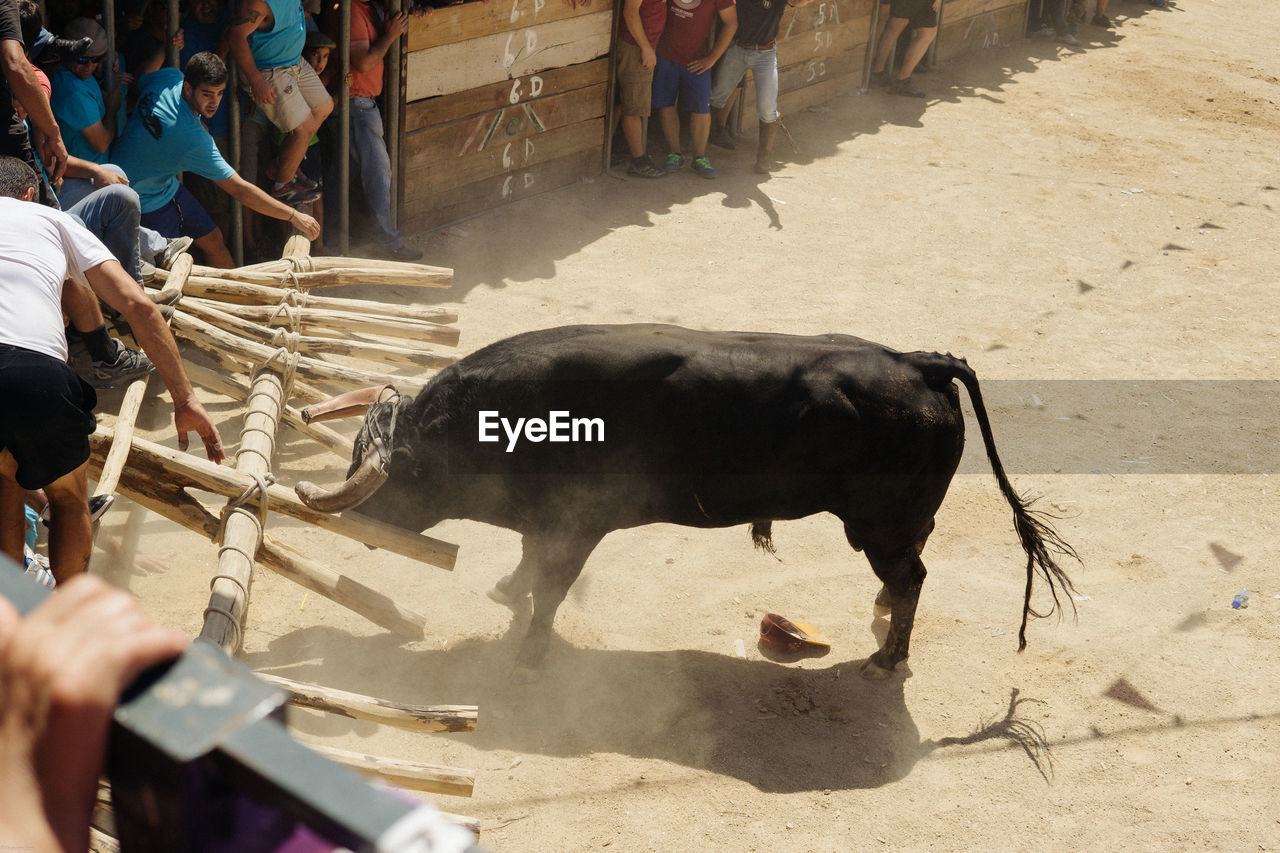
515	604
523	674
873	671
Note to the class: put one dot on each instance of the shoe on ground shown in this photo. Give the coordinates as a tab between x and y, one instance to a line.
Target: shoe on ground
887	79
643	167
127	366
722	136
703	167
907	89
146	270
169	254
294	193
399	253
1101	21
675	162
1067	38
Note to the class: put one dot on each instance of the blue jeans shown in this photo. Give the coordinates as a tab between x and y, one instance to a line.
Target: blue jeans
370	150
111	214
75	190
733	66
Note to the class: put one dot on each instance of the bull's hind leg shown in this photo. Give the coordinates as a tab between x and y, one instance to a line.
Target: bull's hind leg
903	575
554	563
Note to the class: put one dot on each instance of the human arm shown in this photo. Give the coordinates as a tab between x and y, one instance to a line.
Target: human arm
250	16
101	177
62	670
21	78
255	199
728	26
631	17
114	286
366	55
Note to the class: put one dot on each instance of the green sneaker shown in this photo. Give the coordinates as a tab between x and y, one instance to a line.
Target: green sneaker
675	162
702	166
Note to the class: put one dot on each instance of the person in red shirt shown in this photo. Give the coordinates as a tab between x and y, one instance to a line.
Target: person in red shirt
684	68
642	21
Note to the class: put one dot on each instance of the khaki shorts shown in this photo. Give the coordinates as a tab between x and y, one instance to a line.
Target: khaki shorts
298	91
635	82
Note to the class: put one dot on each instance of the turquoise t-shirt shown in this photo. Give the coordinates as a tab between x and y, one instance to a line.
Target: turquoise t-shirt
77	104
164	138
282	46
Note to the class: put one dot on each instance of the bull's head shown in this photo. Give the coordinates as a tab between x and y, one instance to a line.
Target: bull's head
371	453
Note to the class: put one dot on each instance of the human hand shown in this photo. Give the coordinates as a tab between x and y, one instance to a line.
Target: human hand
306	224
648	58
105	177
179	40
701	64
397	26
263	92
190	415
62	670
54	155
124	80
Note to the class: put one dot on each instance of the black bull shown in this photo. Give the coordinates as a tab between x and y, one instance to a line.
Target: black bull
704	429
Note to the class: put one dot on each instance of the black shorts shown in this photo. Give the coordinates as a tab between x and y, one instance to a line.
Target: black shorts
919	12
46	416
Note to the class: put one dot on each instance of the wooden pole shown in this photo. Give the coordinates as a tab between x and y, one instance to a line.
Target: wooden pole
423	276
431	778
421	718
242	531
258	294
318	321
329	263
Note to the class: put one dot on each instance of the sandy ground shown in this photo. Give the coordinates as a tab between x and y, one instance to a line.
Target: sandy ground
1103	215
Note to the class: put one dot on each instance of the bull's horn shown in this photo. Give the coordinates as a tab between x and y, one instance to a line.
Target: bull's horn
345	405
354	491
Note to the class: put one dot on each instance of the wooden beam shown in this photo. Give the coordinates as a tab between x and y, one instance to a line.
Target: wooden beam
424	276
431	778
531	89
421	718
322	320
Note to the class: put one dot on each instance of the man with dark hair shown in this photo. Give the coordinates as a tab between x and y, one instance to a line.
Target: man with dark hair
48	411
165	137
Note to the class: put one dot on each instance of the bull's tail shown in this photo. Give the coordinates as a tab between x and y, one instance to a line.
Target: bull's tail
1039	540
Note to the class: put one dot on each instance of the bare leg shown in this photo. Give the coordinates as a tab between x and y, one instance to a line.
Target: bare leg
70	530
292	150
888	39
631	129
12	517
670	121
916	49
215	250
699	131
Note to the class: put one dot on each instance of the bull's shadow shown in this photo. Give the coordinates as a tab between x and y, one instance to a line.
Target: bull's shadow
781	728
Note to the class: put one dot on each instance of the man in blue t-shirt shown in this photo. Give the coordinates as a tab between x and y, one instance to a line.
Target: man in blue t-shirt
88	120
166	137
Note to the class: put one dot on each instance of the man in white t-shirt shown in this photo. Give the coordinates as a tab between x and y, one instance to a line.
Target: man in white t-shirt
48	410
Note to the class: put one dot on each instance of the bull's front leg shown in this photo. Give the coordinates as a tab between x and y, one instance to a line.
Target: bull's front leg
903	575
554	563
513	591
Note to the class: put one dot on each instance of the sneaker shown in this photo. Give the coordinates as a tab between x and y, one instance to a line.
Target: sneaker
398	253
675	162
127	366
170	252
722	136
98	506
294	193
887	79
643	167
1101	21
305	182
37	567
147	271
1067	38
907	89
703	167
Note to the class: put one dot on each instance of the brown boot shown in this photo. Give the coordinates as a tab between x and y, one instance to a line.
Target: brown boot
721	135
764	160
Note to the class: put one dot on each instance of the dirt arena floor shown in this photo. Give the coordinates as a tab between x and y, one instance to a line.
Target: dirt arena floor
1095	229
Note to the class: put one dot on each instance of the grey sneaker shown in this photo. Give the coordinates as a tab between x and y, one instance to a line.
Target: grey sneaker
148	271
127	366
170	253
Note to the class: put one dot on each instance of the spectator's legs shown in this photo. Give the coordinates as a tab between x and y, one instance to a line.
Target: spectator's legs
699	131
916	49
80	304
70	530
292	150
631	130
670	121
370	148
888	39
112	213
216	253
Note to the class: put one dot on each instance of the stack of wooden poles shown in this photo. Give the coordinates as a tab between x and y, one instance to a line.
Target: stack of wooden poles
271	342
